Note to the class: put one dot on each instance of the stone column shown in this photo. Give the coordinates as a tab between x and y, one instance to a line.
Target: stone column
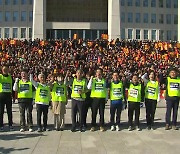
39	19
113	19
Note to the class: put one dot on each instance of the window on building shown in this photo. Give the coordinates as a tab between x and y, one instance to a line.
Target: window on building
6	32
175	35
77	10
87	34
129	2
153	18
153	34
0	33
146	36
153	3
23	2
122	2
145	18
169	35
161	35
168	18
122	17
168	3
138	34
145	3
138	17
122	33
94	34
130	31
161	18
15	32
30	32
23	16
175	19
15	2
7	2
15	16
30	2
23	32
1	16
7	16
137	3
161	3
175	3
0	2
30	15
130	17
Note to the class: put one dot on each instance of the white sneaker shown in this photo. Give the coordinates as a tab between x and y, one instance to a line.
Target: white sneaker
117	128
22	130
137	128
112	128
30	130
130	128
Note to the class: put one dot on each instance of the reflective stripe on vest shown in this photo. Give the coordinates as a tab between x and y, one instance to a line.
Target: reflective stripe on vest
134	93
151	90
116	91
5	83
25	89
98	89
59	93
173	87
78	86
42	94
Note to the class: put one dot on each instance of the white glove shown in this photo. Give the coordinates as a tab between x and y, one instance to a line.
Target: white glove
31	77
17	80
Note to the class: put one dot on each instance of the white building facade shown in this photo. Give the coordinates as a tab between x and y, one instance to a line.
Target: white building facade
124	19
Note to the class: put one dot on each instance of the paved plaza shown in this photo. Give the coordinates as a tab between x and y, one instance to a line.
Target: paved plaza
51	142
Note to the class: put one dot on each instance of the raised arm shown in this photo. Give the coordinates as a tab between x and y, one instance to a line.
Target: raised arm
35	84
144	77
66	77
89	86
15	86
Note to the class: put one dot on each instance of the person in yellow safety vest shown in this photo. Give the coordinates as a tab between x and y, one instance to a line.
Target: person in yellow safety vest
42	100
98	88
118	99
6	97
172	86
59	101
78	95
152	96
135	96
25	89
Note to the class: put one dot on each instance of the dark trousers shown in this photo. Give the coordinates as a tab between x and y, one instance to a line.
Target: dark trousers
87	105
115	109
172	105
42	109
98	104
150	111
25	106
133	107
6	100
77	106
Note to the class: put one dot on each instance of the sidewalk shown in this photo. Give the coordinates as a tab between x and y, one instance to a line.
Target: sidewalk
144	142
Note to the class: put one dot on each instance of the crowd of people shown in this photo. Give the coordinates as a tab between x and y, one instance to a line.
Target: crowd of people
58	56
89	72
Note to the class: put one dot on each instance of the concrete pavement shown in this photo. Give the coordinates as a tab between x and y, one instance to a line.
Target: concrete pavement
146	142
